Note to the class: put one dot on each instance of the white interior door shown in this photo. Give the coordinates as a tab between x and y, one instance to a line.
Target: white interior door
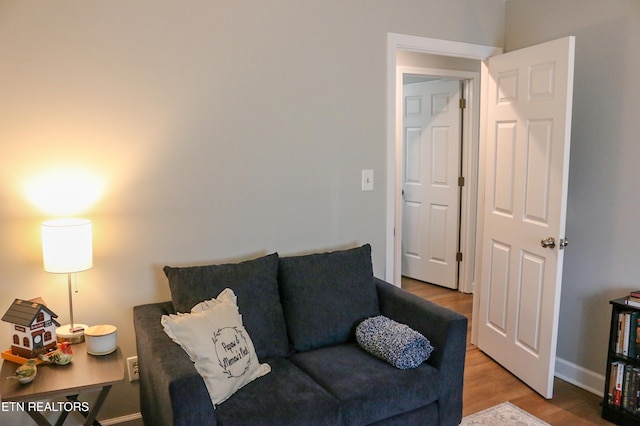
431	167
528	101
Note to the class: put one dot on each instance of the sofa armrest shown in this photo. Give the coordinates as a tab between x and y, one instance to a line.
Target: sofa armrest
171	390
447	332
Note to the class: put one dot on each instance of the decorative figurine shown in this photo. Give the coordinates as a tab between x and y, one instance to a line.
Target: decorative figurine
61	356
26	372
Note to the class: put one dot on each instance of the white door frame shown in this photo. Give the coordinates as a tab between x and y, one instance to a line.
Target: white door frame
395	43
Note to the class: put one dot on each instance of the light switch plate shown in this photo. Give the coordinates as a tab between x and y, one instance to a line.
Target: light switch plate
367	180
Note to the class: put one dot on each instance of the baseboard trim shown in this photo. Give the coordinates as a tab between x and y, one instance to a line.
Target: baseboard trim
123	419
580	376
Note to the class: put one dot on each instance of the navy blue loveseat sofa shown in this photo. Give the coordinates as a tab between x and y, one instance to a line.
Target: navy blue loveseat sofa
301	313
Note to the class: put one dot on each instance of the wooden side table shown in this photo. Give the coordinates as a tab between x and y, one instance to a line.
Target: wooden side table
86	373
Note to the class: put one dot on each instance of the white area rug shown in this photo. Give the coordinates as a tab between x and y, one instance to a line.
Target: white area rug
501	415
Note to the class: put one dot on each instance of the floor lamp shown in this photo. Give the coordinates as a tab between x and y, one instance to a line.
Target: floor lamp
67	249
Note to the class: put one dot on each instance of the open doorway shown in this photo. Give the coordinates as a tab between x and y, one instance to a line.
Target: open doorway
456	52
433	139
453	269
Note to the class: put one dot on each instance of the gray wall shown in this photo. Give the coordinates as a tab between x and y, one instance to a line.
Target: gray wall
215	131
604	205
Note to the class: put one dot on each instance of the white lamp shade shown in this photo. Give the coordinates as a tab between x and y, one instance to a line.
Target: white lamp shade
66	245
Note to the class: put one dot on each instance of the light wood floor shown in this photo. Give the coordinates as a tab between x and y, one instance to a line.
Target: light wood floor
486	383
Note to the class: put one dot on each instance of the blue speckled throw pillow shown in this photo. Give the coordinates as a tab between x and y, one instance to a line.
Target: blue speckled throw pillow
396	343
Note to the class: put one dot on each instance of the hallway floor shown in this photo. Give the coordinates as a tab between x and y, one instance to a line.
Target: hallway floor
486	383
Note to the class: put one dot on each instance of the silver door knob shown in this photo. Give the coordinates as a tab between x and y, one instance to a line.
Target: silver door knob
548	242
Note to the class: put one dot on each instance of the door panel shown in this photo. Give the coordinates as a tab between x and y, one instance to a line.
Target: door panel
529	302
527	160
411	241
537	170
504	168
431	152
438	244
412	156
498	287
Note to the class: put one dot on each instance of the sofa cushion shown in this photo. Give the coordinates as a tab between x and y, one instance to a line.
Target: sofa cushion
255	284
286	396
217	343
368	388
326	295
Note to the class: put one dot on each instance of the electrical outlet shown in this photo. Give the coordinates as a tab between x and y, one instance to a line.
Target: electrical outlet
134	371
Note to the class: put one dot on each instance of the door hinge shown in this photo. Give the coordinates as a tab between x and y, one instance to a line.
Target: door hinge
459	256
463	103
461	181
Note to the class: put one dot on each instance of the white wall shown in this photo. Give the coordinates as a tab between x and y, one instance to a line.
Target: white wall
216	131
602	224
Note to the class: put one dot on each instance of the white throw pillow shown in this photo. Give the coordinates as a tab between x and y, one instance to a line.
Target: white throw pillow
218	344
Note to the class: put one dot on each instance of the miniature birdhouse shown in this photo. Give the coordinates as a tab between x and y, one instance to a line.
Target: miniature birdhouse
33	327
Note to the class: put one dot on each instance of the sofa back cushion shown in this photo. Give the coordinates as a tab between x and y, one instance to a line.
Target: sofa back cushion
326	295
255	284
